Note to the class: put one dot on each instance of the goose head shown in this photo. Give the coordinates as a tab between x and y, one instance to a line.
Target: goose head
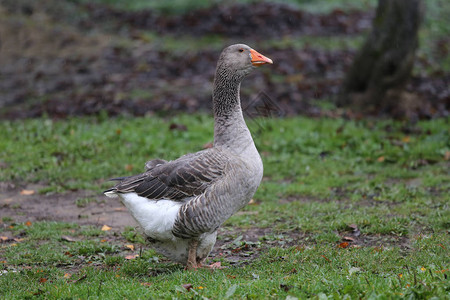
240	60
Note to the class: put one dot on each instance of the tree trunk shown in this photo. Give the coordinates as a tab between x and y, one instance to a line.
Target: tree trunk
384	63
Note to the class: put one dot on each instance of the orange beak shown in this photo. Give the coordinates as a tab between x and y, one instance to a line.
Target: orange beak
259	59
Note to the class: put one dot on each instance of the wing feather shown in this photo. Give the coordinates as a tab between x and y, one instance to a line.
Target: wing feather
185	177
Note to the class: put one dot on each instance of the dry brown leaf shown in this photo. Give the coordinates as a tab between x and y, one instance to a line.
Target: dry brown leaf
27	192
42	280
326	258
133	256
18	240
120	208
106	228
67	238
406	139
380	159
343	245
4	238
28	223
129	167
131	247
67	275
348	238
104	240
146	283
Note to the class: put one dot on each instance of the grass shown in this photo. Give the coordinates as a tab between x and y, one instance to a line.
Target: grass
388	178
185	6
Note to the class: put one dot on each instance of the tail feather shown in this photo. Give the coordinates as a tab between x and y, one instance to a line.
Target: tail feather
111	193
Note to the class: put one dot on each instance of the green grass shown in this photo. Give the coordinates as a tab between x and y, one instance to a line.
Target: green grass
47	267
185	6
389	178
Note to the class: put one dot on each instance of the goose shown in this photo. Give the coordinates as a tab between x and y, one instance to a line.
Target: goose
180	204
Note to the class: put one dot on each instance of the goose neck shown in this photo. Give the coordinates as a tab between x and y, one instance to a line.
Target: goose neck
230	129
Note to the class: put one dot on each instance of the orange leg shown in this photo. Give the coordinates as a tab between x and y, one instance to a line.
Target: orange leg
192	255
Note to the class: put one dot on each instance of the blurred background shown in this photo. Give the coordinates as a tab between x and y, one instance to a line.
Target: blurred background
62	58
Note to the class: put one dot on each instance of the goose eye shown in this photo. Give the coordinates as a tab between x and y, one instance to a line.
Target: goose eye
241	50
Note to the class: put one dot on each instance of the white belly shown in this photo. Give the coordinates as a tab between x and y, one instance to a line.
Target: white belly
157	219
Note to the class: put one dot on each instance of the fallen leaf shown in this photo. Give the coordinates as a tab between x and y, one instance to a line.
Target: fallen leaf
348	238
380	159
120	208
231	276
67	275
42	280
4	238
26	192
200	287
3	262
406	139
343	245
28	223
131	247
326	258
19	239
106	228
146	283
133	256
67	238
187	286
216	265
128	167
118	131
438	271
104	240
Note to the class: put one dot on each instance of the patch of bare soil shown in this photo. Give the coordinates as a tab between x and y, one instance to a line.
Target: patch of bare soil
26	204
54	67
239	20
